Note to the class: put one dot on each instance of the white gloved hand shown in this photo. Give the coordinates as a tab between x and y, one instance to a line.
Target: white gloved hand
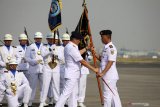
9	92
39	61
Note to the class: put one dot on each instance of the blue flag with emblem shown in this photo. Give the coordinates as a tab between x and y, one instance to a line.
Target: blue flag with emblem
54	18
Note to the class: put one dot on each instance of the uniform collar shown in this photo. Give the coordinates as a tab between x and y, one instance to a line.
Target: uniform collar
73	44
13	72
38	44
23	46
50	44
8	47
107	45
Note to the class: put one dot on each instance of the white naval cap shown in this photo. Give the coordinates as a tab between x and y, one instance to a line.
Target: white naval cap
51	35
13	61
66	36
23	36
38	35
8	37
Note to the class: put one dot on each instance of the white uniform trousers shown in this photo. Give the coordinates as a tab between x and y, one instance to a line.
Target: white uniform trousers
23	92
111	100
51	78
82	88
69	93
34	78
1	96
1	93
26	73
50	91
62	78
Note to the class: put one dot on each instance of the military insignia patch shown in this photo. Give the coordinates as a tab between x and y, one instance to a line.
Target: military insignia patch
55	8
110	46
112	52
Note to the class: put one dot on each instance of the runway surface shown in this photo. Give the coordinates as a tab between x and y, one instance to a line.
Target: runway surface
139	86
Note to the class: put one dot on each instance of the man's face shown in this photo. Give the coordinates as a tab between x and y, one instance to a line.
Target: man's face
56	41
50	40
105	39
7	42
23	42
78	41
65	42
38	40
13	66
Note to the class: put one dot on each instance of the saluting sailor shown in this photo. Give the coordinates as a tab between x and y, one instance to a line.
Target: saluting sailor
15	86
73	61
20	55
6	53
34	58
109	71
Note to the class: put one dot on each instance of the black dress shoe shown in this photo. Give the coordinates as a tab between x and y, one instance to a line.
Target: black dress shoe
65	105
1	105
52	104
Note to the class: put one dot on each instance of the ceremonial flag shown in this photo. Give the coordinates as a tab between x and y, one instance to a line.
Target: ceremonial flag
54	18
25	32
83	28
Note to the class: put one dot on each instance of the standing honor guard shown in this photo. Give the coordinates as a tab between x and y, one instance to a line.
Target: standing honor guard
20	55
52	56
34	58
109	71
73	61
6	53
15	86
65	40
83	82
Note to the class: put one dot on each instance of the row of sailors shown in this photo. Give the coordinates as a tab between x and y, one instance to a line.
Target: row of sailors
40	63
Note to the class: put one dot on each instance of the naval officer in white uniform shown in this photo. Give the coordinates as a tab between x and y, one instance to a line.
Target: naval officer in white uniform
73	61
34	58
65	40
15	86
83	82
20	55
51	76
6	53
109	71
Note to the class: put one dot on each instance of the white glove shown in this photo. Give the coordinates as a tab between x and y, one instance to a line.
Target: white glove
39	61
9	92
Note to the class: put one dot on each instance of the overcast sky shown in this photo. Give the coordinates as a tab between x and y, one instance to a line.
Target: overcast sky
135	23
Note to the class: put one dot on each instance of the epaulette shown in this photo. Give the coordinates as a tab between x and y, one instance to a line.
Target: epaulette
5	71
20	70
110	46
28	45
45	44
14	46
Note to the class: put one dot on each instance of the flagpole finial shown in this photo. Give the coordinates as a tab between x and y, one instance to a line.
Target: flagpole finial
84	3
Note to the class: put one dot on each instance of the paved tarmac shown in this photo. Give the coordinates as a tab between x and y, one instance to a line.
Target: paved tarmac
139	86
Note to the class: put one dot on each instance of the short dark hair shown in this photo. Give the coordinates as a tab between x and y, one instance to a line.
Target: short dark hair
76	35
